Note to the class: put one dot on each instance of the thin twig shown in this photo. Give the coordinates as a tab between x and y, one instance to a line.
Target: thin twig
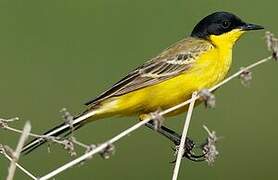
241	71
9	120
95	150
21	168
47	137
75	141
20	132
16	154
183	137
143	122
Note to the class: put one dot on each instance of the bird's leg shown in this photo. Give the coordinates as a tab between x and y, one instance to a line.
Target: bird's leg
176	138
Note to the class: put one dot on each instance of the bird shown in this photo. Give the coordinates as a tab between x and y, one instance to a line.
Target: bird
196	62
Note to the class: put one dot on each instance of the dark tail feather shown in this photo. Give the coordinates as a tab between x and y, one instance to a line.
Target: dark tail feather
64	128
54	132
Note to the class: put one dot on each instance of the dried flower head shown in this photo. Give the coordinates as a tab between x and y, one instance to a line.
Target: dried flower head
48	147
68	118
108	151
4	122
157	119
90	148
66	115
69	146
209	148
208	97
245	77
272	44
1	148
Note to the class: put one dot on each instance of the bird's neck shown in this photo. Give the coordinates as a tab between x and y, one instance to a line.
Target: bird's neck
224	45
226	40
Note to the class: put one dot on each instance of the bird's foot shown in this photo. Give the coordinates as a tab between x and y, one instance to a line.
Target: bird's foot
189	153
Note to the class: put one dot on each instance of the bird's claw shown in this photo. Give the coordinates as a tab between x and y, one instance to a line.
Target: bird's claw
189	153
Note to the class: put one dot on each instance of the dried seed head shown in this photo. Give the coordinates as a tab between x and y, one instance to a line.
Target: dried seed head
3	124
68	118
157	119
208	97
275	49
272	44
69	146
245	77
268	40
2	150
108	151
48	148
90	148
66	115
209	148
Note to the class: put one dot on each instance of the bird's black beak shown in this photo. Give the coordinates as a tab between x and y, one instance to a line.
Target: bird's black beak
250	27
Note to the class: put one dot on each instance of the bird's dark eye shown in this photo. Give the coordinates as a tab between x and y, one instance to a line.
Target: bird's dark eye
225	24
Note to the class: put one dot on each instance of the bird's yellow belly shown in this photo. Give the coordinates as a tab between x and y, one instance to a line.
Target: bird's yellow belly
208	70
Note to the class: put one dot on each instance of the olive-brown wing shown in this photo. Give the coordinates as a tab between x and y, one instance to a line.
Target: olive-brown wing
170	63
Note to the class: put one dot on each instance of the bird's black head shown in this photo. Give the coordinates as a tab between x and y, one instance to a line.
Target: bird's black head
219	23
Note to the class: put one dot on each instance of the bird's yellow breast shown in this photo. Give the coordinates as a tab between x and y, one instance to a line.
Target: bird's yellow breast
210	67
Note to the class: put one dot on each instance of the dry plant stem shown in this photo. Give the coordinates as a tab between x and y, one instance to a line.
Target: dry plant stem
79	143
95	150
50	138
16	154
20	132
143	122
183	137
240	71
21	168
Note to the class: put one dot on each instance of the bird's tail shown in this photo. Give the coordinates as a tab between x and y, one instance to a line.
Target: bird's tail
64	128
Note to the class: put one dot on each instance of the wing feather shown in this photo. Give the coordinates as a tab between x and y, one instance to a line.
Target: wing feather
171	62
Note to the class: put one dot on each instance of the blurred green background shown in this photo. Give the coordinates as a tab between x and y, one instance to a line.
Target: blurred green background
61	53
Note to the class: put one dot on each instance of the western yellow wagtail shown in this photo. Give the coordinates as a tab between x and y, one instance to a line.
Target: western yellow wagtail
199	61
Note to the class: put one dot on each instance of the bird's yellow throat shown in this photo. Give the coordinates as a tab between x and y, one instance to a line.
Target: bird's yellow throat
226	40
